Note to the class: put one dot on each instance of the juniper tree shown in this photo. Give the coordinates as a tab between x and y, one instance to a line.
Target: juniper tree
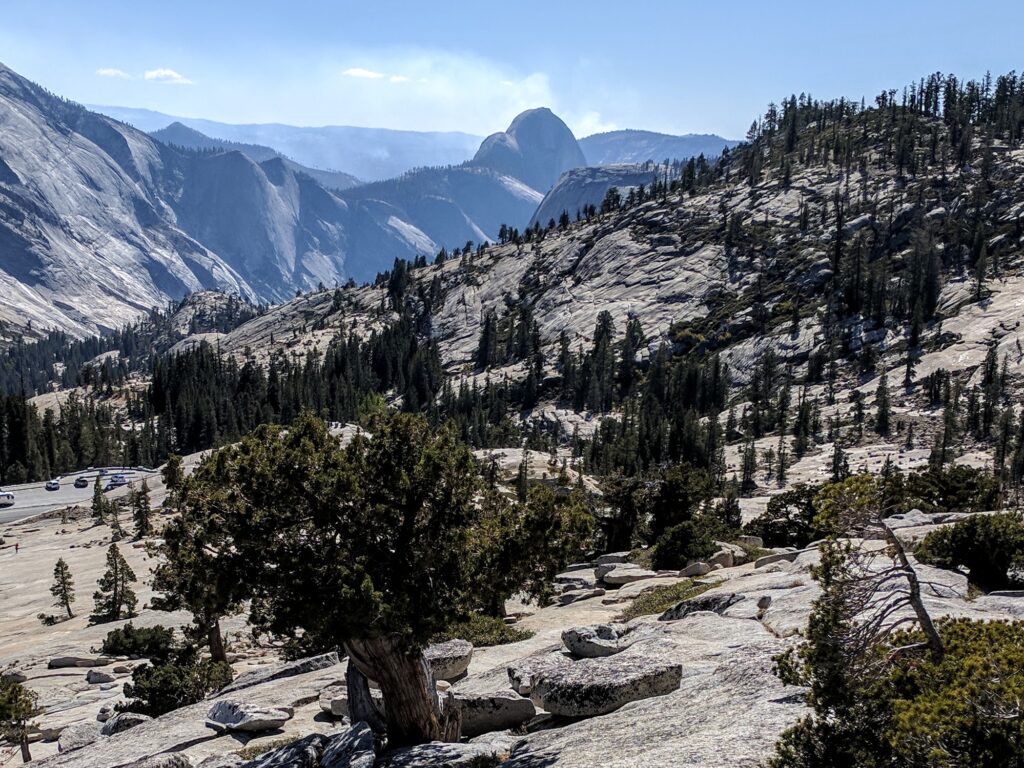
17	708
115	599
63	588
99	503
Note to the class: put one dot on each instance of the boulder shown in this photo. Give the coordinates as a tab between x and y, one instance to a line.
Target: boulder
695	569
278	671
593	687
122	722
334	699
231	715
487	712
438	754
356	748
96	676
13	676
170	760
302	753
776	557
714	603
106	712
612	558
723	557
523	673
755	542
450	660
594	641
627	574
78	735
575	595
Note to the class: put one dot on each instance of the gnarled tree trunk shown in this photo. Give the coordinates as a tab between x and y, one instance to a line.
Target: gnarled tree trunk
361	706
413	713
216	641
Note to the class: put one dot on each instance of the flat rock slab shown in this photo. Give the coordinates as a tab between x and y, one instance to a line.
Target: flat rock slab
576	595
592	687
718	603
232	715
627	574
449	660
499	711
79	735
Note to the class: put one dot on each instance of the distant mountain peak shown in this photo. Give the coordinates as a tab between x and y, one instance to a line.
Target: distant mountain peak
537	148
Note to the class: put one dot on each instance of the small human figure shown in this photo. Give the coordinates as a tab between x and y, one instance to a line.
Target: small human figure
16	545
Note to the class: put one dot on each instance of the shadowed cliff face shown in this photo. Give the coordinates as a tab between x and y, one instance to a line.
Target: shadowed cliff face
537	148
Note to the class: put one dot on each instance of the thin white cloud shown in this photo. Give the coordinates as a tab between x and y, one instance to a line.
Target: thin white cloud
365	74
112	72
398	79
165	75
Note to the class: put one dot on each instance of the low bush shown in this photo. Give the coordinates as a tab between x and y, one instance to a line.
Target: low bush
682	543
988	546
789	519
483	631
157	689
155	643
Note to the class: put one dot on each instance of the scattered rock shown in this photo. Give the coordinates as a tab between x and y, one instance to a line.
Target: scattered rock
230	715
523	673
95	677
597	686
755	542
695	569
500	711
78	735
576	595
723	558
122	669
122	722
449	660
593	642
777	557
713	603
105	713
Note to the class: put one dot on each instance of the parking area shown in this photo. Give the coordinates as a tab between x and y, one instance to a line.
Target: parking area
33	498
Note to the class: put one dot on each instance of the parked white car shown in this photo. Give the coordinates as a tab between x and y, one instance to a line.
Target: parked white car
53	485
6	499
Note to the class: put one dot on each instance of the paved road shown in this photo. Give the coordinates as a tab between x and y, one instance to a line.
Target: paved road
33	498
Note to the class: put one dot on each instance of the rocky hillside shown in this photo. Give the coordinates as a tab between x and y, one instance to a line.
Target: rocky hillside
372	154
633	146
180	135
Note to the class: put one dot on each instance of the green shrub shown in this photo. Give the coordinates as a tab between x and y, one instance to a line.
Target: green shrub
988	546
483	631
155	690
952	489
789	519
153	643
682	543
660	599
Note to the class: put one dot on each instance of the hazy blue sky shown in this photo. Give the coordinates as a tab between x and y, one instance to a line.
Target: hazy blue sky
677	67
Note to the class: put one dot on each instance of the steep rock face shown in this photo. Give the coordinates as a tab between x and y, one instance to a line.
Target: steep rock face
367	153
181	135
580	187
537	148
87	241
630	146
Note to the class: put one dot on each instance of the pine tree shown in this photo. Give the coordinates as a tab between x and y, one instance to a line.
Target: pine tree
140	511
63	589
883	407
99	503
115	599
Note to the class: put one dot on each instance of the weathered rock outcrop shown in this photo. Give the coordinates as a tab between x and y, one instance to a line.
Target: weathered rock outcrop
232	715
449	660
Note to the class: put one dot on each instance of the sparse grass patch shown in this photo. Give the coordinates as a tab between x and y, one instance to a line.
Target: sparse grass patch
483	631
660	599
256	750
